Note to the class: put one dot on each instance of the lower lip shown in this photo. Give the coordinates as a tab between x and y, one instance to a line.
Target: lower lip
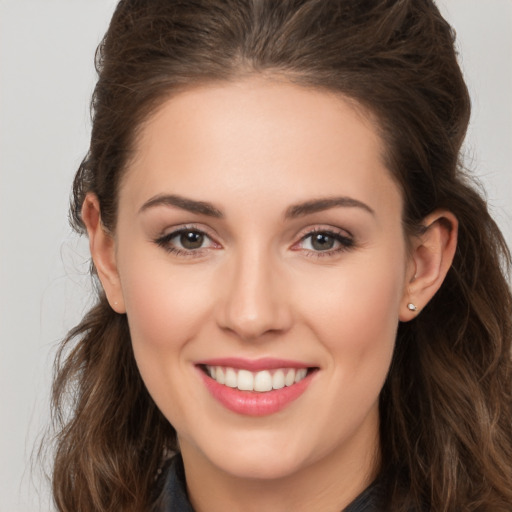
253	403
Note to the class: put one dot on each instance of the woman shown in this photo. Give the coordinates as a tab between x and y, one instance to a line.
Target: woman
302	298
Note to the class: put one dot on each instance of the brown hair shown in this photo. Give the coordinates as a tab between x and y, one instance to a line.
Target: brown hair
446	406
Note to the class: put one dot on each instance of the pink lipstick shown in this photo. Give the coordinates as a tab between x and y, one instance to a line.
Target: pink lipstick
255	387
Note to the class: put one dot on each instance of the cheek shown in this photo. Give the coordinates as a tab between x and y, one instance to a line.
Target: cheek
163	304
356	314
165	308
357	324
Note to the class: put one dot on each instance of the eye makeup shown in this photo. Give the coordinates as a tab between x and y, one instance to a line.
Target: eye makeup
191	241
187	241
321	242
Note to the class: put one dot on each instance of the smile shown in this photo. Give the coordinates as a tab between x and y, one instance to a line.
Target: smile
255	388
261	381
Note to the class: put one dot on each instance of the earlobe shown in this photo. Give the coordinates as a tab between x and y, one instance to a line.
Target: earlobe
102	247
431	258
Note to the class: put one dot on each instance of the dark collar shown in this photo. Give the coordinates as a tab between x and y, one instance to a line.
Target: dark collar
173	497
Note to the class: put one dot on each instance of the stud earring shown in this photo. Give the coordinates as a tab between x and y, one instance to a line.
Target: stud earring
411	307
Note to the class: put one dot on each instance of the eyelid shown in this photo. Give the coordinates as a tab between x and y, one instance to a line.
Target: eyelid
327	229
324	228
164	239
343	237
179	228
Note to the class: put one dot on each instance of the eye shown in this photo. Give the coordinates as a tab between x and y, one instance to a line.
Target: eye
320	242
325	241
190	239
186	241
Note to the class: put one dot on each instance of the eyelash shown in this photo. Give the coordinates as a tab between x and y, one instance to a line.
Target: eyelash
345	243
164	242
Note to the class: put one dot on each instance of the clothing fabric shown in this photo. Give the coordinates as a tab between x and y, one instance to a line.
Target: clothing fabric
173	497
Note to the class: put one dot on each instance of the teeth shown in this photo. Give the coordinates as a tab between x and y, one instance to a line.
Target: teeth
245	380
278	380
220	376
290	378
262	381
300	374
231	378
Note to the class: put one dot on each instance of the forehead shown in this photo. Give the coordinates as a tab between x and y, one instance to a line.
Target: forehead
258	136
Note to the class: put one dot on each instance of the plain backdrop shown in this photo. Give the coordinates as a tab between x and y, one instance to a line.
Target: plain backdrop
46	79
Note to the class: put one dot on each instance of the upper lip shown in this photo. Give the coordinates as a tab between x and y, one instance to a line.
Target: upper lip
254	365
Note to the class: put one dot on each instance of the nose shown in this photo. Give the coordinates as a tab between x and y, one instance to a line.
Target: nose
255	298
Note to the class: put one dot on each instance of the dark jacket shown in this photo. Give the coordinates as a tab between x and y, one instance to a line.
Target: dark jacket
173	496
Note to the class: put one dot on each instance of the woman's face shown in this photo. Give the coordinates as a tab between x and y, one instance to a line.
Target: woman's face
259	241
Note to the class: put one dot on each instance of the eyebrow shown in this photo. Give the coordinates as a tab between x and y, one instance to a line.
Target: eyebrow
294	211
200	207
319	205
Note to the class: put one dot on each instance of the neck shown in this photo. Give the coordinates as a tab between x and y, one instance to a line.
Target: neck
328	484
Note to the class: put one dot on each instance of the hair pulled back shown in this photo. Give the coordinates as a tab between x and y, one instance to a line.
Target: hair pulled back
446	406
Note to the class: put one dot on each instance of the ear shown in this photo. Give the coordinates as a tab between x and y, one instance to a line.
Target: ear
431	257
102	247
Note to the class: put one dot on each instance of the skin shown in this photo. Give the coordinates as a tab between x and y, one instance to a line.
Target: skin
257	287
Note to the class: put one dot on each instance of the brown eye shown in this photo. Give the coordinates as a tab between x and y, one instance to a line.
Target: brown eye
191	240
326	242
186	241
322	242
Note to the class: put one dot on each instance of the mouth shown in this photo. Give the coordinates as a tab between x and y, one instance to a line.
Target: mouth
256	381
255	387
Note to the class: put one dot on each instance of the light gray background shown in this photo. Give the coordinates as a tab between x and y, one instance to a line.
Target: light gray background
46	78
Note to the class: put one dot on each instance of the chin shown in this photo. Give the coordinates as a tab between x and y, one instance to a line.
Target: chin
261	460
258	468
